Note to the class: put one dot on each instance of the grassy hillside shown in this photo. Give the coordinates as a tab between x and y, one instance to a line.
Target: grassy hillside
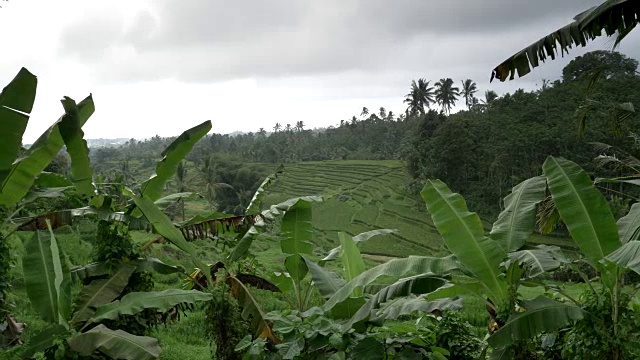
361	196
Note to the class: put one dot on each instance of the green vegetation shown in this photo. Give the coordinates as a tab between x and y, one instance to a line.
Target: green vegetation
187	247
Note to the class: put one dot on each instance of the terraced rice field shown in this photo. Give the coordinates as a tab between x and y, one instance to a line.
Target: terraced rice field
361	196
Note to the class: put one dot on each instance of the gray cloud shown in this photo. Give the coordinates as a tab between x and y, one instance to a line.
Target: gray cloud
216	40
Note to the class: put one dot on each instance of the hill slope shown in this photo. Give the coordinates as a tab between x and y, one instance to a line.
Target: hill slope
361	196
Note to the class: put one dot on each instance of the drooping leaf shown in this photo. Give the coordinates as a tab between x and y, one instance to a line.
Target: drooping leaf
70	128
251	309
325	281
627	256
297	229
16	103
116	344
176	152
163	202
583	209
542	315
93	269
457	287
463	234
516	222
135	302
254	204
335	252
350	256
612	16
629	225
100	292
24	171
242	247
538	260
413	265
47	279
157	265
408	305
418	284
160	222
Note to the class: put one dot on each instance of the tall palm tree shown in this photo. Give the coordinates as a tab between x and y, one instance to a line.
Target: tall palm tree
262	132
468	89
446	94
364	112
420	96
390	116
490	96
300	125
287	128
382	113
277	127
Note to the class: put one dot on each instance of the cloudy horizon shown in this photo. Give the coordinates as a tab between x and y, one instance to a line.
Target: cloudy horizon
159	67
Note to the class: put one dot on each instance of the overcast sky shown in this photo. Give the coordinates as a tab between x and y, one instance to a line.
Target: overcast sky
161	66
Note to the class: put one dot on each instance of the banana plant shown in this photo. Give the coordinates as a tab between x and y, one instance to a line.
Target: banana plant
48	283
296	240
493	267
606	245
20	169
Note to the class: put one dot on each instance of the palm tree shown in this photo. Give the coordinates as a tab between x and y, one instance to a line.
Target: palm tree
364	112
446	94
382	113
207	169
390	116
262	132
615	17
277	127
300	125
420	96
287	128
490	96
468	89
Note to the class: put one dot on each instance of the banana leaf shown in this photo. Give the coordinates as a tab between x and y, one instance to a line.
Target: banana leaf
543	315
71	131
413	265
251	310
463	234
152	189
325	281
582	208
629	225
627	256
16	103
516	222
25	170
47	279
100	292
135	302
116	344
